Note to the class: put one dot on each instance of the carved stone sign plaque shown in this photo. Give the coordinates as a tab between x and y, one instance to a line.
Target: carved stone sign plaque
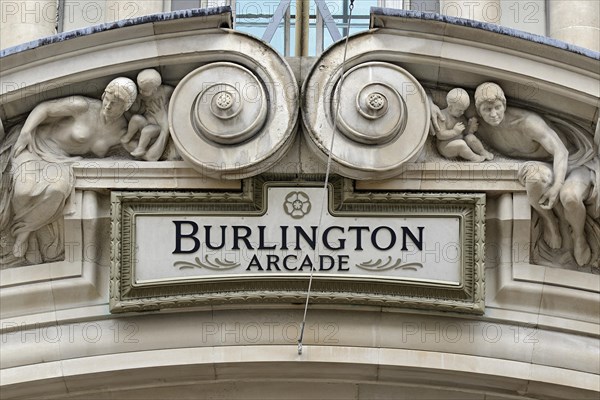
176	249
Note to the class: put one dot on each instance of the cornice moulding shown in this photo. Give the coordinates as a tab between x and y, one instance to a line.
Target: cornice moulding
208	18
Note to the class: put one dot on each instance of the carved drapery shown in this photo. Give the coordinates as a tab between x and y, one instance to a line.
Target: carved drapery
529	308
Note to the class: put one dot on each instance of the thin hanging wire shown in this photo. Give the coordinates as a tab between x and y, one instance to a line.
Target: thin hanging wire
328	169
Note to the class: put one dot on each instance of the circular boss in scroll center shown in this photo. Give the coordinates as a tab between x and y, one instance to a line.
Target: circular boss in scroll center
231	105
372	113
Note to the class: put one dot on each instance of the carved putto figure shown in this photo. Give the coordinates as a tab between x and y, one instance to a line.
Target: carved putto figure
452	141
562	178
151	121
562	185
53	135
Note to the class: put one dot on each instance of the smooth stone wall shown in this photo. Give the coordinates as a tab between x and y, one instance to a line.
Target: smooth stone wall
575	22
23	21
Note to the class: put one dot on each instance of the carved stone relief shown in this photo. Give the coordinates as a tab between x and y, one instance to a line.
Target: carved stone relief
37	156
455	134
231	122
53	136
148	129
227	122
379	117
562	175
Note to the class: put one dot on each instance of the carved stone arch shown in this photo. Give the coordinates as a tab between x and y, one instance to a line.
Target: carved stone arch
440	54
175	45
553	85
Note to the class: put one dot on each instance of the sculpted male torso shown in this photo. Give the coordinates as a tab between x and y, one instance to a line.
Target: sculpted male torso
519	134
525	135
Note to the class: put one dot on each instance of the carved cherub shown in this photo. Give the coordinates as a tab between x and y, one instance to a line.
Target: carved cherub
451	140
153	122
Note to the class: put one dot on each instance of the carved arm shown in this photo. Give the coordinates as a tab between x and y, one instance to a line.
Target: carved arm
447	134
550	141
49	109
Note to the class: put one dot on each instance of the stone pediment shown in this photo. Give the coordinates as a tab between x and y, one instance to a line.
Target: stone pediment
536	336
429	53
233	105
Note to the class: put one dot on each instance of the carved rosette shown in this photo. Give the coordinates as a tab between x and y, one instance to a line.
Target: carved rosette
228	123
382	117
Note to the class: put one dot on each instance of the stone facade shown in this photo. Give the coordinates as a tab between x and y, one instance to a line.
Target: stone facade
239	114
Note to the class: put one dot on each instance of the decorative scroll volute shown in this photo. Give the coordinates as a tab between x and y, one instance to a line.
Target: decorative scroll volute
227	123
372	110
382	118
